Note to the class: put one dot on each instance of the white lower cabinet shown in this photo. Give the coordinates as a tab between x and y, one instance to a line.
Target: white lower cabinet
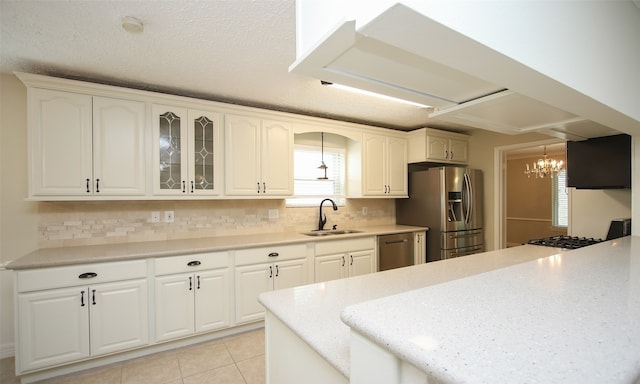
188	303
56	325
344	258
261	270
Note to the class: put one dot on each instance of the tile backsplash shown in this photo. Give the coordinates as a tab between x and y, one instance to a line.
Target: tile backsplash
106	222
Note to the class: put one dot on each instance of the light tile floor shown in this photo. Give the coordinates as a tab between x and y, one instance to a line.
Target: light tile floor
237	359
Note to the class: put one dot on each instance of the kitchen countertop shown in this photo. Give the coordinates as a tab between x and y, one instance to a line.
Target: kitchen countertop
55	257
312	312
569	318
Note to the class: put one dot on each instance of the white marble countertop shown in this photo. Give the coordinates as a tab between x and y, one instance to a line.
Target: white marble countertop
313	312
54	257
569	318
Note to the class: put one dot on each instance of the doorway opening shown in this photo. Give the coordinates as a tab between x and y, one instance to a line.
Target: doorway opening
517	206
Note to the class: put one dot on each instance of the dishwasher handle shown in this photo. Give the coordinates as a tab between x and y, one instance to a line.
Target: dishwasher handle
395	241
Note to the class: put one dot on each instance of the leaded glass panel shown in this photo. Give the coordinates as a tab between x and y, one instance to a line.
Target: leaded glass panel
203	153
170	167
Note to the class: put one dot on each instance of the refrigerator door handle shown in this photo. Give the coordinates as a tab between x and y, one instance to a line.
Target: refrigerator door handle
468	203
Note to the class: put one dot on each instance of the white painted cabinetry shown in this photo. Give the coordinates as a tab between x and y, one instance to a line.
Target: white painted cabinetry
337	259
258	157
383	167
438	146
187	151
67	314
83	145
265	269
192	294
420	247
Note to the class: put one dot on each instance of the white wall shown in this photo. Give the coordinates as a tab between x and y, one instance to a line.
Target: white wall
18	218
591	211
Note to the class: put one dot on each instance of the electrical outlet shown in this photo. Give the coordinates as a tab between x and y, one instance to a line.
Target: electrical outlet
365	211
155	217
168	216
274	214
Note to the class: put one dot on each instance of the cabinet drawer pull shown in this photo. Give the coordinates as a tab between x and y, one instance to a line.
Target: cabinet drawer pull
351	256
198	286
274	254
277	271
194	263
93	292
184	187
192	186
97	185
87	275
190	283
82	298
258	187
264	187
270	271
88	190
342	261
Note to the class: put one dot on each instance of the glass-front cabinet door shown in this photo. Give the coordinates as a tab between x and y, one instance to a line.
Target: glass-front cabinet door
187	151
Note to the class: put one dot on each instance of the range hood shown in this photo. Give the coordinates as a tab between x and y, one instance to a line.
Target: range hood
389	56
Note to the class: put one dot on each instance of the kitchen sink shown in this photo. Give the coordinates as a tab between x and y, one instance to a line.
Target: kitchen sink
331	232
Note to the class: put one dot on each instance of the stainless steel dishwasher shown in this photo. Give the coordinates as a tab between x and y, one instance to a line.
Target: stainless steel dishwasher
395	251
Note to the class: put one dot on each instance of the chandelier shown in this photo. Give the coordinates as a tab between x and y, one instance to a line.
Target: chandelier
544	167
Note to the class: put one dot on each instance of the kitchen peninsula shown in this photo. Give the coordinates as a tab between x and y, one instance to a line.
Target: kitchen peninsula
523	314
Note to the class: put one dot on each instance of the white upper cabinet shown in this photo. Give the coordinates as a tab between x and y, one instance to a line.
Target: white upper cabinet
432	145
384	166
187	151
85	146
119	166
258	157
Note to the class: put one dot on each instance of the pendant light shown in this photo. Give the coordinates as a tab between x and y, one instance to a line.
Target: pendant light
323	166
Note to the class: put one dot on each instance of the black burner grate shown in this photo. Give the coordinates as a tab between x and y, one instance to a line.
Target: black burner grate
567	242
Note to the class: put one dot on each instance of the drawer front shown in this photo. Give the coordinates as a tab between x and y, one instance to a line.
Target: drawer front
190	263
347	245
267	254
75	275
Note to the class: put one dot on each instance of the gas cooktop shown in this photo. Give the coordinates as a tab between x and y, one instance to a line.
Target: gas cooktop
567	242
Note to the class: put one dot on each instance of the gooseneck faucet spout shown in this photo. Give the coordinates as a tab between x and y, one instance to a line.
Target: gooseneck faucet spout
323	220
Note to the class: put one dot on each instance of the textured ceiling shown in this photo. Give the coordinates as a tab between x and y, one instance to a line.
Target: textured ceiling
234	51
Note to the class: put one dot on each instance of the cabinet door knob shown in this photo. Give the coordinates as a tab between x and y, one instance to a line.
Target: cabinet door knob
194	263
87	275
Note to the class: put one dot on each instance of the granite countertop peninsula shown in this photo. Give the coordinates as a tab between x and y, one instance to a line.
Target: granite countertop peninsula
55	257
570	318
312	312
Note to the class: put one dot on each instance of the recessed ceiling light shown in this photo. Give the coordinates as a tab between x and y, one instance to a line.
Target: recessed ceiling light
131	24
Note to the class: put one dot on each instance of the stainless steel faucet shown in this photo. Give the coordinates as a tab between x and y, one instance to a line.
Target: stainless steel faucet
322	221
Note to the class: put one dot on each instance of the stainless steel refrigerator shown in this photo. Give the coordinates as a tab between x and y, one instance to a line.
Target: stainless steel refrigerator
448	200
